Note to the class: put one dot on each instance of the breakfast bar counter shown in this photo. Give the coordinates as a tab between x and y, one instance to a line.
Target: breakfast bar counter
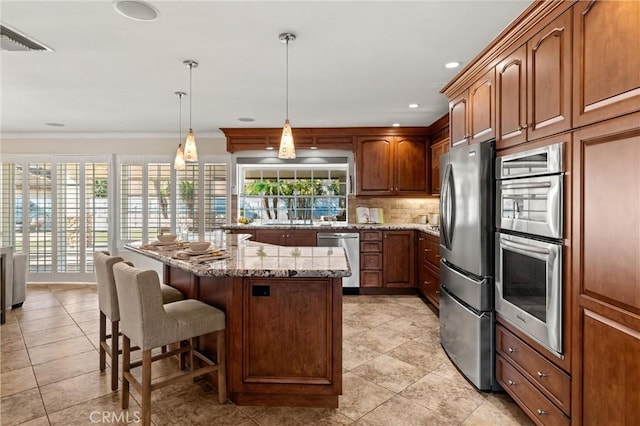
283	309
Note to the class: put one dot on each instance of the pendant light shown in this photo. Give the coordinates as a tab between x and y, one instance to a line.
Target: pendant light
190	151
287	148
179	163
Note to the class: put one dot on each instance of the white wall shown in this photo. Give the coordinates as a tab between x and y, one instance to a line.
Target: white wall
94	145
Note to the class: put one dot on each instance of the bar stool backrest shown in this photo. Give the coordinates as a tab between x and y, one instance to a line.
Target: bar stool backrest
107	294
142	315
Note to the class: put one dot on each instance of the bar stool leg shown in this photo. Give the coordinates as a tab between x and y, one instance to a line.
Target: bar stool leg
115	348
103	339
221	359
126	367
146	388
192	346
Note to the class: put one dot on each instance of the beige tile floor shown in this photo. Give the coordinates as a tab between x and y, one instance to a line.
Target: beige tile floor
395	372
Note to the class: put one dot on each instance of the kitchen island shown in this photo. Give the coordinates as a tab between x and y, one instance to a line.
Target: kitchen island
283	308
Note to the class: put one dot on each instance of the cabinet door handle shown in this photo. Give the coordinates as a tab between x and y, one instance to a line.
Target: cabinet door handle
511	350
524	126
420	239
438	256
541	374
427	250
511	383
541	412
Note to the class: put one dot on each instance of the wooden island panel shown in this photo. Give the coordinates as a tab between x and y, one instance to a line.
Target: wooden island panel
284	336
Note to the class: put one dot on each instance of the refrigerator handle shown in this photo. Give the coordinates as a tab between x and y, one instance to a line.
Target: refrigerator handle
447	212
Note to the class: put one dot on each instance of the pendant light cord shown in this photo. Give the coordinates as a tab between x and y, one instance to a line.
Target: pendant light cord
287	85
180	119
190	92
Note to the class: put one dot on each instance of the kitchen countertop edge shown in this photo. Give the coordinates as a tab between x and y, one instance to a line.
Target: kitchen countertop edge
344	227
229	267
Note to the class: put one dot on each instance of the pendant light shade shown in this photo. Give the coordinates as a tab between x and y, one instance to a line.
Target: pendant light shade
179	163
287	148
190	150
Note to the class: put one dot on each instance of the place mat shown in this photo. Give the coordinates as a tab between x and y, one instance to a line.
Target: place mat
183	255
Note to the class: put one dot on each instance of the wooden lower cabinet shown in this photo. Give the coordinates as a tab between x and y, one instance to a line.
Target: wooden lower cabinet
429	267
398	252
287	237
529	398
429	283
387	259
550	380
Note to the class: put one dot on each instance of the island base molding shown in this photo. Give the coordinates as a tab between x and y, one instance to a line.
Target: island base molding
285	400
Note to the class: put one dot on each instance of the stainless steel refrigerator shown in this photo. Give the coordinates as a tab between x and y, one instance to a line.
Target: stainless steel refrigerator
466	269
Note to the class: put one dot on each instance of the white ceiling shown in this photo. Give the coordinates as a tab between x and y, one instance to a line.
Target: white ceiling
356	63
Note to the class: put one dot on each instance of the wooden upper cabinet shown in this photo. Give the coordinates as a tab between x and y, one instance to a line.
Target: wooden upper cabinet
411	164
392	166
549	79
482	108
375	166
472	114
511	99
437	150
458	123
606	63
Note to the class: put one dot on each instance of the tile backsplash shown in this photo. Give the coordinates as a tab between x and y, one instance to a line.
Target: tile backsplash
396	209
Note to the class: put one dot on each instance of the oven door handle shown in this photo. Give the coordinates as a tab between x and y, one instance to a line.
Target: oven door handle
524	248
526	185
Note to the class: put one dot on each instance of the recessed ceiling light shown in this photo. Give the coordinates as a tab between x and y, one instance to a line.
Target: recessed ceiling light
246	119
54	124
414	105
396	124
452	65
136	10
313	147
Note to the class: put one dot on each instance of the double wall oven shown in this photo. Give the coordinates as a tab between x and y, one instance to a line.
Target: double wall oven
528	246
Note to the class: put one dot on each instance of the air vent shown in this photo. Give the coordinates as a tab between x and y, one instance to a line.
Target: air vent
12	41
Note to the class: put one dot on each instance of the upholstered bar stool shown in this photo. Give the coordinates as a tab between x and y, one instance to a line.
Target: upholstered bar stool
109	309
149	324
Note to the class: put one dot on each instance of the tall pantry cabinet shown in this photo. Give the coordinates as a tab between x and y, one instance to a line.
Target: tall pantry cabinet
606	210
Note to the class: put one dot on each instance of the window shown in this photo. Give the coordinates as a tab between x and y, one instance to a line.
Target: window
56	211
60	209
292	193
154	199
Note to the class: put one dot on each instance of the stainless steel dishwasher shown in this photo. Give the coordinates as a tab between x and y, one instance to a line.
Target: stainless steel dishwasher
350	241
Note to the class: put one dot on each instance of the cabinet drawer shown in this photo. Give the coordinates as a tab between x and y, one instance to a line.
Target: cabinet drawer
371	236
529	398
431	252
429	283
549	378
371	247
370	279
371	261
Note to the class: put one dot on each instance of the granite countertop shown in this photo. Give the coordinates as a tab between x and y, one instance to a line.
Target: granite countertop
245	258
339	227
